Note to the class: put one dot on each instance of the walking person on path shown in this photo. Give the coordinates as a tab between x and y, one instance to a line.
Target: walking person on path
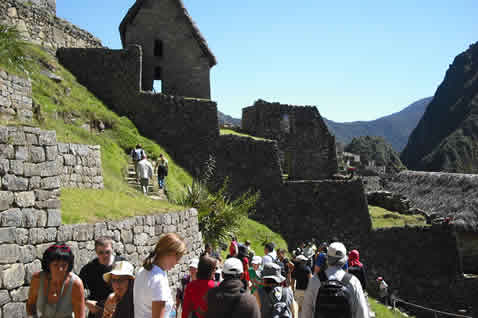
162	168
145	172
92	276
231	299
152	294
333	292
357	269
302	274
137	154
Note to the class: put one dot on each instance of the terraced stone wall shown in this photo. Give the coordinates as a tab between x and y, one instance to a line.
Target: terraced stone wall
15	97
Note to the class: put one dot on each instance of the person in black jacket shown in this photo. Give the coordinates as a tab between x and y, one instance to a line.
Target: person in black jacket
357	268
92	276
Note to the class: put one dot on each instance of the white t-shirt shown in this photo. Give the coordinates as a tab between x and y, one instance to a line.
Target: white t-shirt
151	286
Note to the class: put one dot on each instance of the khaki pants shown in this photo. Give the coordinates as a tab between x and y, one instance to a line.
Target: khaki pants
299	298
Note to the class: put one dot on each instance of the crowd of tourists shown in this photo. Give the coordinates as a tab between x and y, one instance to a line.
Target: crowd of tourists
145	171
323	281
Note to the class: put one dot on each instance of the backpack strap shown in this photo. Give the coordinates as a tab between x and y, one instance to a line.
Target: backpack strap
346	279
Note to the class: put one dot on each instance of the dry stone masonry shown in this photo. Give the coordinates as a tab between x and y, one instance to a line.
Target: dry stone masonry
15	97
37	22
307	149
81	166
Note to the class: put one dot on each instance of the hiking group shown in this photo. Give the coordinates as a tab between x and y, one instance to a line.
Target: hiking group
144	169
323	282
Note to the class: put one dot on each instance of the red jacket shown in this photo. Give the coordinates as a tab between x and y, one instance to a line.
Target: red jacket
195	297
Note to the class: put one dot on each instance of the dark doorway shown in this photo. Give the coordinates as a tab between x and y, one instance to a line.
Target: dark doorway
158	48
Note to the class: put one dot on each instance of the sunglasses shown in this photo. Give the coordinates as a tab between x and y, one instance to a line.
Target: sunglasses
118	280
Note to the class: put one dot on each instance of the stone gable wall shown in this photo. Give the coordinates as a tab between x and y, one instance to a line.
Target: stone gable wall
307	149
187	128
30	216
37	22
15	97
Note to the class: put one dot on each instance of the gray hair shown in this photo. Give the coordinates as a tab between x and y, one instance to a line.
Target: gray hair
337	261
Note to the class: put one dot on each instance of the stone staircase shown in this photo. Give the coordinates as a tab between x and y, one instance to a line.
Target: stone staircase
154	192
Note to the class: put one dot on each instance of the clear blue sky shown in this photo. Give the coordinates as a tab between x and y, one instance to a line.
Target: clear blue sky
354	60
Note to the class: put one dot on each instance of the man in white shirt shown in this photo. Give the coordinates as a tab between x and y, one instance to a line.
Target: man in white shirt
270	254
145	172
336	258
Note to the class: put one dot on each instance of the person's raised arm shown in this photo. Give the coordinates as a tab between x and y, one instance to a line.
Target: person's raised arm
78	298
33	294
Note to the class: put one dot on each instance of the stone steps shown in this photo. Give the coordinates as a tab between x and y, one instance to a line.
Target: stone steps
154	192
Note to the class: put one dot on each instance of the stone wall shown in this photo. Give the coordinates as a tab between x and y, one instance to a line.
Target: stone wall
249	164
15	97
81	166
37	23
421	263
372	183
307	149
30	216
441	193
187	128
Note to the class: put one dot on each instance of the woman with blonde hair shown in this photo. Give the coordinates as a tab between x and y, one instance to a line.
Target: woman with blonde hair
151	293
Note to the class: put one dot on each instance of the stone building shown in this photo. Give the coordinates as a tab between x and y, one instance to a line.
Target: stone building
174	51
307	149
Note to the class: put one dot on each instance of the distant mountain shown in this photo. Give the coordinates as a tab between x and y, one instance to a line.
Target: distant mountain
377	149
446	138
395	128
226	119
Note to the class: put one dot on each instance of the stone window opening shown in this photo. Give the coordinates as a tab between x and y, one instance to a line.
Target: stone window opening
158	48
157	82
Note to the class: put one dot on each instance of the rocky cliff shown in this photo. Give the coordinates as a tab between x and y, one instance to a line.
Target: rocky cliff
446	138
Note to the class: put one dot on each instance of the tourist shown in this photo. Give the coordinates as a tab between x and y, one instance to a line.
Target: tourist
213	253
195	294
187	278
302	273
309	251
320	257
357	269
119	303
162	168
233	247
152	294
270	255
231	299
92	276
336	259
243	257
286	266
274	298
251	252
137	155
56	291
383	291
145	172
255	274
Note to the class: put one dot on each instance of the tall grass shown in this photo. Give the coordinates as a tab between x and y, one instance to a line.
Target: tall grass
12	50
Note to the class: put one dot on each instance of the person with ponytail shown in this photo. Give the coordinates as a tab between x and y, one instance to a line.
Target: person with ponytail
152	294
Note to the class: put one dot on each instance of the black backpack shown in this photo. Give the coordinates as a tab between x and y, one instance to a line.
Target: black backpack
334	300
277	301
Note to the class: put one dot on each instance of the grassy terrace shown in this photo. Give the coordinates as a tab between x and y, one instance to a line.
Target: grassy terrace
233	132
382	218
67	105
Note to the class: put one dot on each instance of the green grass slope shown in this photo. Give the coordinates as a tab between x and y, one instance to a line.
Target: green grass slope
382	218
65	107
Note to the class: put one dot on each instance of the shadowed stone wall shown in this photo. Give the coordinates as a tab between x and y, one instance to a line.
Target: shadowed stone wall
187	128
307	149
15	97
37	22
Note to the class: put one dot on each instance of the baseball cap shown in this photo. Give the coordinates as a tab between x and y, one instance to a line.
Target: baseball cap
233	266
338	251
256	260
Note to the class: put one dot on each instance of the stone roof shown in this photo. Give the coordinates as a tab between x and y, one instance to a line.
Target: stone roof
133	11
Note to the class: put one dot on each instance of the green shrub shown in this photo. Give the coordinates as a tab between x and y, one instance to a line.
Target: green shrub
12	49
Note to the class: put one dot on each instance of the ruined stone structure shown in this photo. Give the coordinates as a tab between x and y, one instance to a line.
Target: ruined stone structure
186	127
37	22
174	51
15	97
30	217
307	149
